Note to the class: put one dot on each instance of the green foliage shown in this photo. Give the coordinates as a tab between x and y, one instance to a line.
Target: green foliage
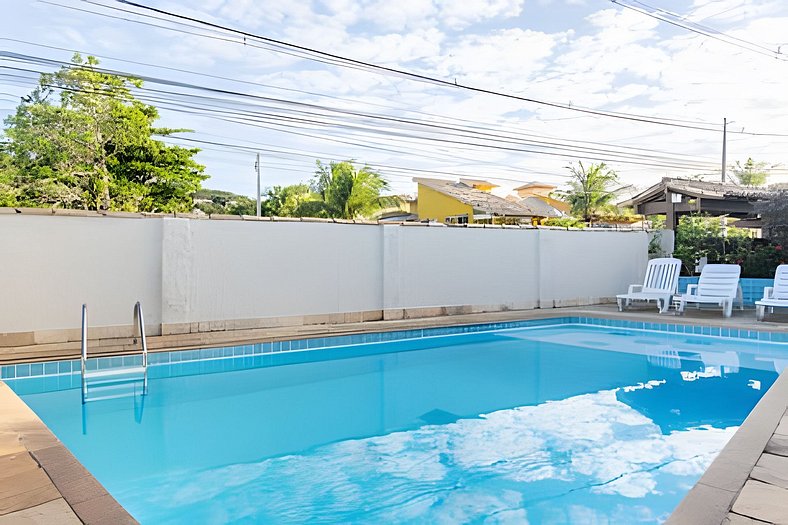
347	192
563	222
286	201
590	193
8	192
81	140
774	214
655	244
751	173
224	203
698	236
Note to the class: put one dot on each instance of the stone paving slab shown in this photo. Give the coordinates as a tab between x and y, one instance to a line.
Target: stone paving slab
777	445
56	511
738	519
763	501
23	483
772	469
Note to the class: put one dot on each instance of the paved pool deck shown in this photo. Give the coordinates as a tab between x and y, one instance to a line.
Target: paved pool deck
42	482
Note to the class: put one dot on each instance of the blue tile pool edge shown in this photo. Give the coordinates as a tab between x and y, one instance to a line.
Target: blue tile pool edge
55	369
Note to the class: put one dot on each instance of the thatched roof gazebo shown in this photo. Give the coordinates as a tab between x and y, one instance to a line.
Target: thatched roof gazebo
676	197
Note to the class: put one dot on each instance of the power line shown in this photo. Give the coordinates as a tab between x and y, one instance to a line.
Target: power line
169	99
315	54
472	124
676	20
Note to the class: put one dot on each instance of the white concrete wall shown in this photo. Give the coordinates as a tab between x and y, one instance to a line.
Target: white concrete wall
455	266
188	271
247	270
50	266
587	267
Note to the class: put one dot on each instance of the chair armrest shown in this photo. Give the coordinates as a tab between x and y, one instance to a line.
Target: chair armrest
635	288
691	289
767	292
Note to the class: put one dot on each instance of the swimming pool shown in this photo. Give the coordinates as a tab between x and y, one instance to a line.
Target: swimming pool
541	421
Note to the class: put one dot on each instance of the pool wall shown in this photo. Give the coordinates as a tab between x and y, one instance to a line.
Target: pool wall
752	288
65	374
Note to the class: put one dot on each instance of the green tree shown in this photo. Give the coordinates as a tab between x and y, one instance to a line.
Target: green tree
224	203
8	192
285	201
346	192
774	214
750	173
82	140
590	189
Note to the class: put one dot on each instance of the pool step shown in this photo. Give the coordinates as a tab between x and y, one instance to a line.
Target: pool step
120	381
114	383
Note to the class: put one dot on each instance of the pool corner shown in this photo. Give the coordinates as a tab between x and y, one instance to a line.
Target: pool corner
42	480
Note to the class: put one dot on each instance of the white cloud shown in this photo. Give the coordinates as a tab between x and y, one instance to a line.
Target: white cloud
458	15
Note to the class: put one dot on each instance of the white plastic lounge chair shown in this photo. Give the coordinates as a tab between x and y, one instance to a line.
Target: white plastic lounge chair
718	284
774	296
660	284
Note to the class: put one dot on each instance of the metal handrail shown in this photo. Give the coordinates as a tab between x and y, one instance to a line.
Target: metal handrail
84	350
139	321
138	324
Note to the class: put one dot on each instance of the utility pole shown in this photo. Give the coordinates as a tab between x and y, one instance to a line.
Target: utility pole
723	220
257	167
724	145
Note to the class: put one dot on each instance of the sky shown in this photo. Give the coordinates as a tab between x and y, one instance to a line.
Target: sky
242	95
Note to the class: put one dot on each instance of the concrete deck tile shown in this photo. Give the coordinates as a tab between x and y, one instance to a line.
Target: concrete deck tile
738	519
777	445
23	484
782	428
10	443
763	501
772	469
55	511
703	505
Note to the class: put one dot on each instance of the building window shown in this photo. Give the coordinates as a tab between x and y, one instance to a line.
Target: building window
457	219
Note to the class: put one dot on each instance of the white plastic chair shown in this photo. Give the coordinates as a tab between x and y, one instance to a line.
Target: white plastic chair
774	296
660	284
718	284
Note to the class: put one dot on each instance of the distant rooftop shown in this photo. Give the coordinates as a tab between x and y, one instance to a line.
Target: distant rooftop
483	202
700	189
535	184
478	182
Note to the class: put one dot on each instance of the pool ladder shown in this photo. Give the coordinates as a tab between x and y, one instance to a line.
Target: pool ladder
116	382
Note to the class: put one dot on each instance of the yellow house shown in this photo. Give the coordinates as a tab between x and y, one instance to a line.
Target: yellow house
464	202
542	191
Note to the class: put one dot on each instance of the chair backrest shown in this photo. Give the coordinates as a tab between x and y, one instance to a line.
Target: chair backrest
719	280
781	282
662	275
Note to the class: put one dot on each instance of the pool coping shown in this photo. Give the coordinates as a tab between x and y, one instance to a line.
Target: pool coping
25	436
41	479
713	500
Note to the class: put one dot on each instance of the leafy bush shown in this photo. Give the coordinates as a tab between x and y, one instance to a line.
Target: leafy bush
564	222
701	236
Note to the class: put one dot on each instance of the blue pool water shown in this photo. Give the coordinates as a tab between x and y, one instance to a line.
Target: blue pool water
555	424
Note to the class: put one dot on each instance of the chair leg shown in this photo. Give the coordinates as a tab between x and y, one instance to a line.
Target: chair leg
680	307
727	308
663	304
620	304
759	312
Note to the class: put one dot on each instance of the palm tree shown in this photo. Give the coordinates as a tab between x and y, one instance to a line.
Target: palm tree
589	190
346	192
